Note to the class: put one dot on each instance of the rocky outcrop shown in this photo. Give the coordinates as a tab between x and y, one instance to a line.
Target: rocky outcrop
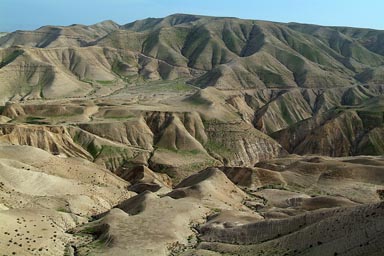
54	139
305	233
334	133
13	110
240	143
134	133
142	178
253	178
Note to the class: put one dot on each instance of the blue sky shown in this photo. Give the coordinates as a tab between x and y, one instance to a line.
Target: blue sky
31	14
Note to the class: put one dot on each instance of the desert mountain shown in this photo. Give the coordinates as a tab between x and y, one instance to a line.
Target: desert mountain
192	135
229	53
272	75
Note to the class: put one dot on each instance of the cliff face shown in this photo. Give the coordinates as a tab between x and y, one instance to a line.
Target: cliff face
55	139
335	133
292	238
239	143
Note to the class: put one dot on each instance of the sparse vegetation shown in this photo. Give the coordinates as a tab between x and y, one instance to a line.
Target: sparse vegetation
63	209
105	82
166	86
10	57
36	120
155	137
218	148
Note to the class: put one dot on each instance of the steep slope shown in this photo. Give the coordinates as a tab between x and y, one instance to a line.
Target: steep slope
162	225
42	196
210	215
92	115
118	136
337	132
58	36
276	76
47	202
304	234
227	53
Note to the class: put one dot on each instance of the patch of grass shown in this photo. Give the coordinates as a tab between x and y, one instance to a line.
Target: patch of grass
110	150
114	156
100	82
232	41
118	68
98	244
180	87
35	120
269	77
62	209
371	119
76	138
89	230
374	145
94	150
199	165
285	113
88	81
167	86
273	186
11	57
151	42
41	86
105	82
218	148
197	100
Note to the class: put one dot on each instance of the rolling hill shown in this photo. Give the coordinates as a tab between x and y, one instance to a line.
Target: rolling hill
192	135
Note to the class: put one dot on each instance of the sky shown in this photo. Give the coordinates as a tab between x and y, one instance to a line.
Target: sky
32	14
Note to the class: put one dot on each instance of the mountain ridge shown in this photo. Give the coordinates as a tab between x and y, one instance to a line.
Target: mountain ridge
192	135
273	75
229	48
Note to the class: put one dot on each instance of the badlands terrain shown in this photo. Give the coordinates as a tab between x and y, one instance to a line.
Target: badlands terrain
194	136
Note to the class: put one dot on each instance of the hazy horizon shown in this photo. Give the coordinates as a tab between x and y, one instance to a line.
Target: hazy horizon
29	15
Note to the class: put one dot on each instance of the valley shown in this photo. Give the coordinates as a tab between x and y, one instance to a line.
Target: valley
192	135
